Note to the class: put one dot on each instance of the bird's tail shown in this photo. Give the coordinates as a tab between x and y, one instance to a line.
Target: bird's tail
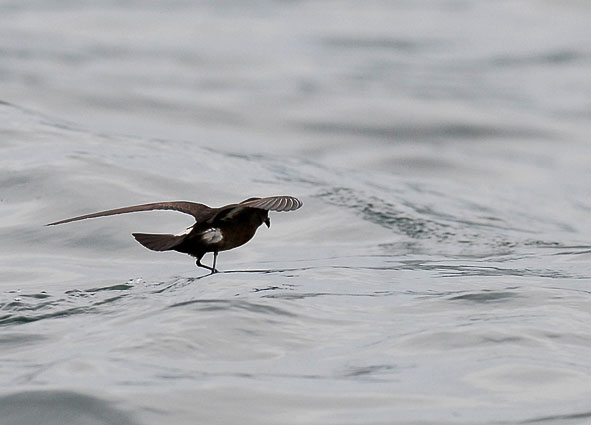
158	242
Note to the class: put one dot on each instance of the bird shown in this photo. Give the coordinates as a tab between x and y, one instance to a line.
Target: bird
215	229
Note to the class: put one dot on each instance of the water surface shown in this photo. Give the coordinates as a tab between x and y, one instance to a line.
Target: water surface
438	273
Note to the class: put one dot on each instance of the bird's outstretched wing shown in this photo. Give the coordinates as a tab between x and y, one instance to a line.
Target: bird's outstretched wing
273	203
199	211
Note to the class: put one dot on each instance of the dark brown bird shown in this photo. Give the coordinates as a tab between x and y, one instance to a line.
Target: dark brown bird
215	229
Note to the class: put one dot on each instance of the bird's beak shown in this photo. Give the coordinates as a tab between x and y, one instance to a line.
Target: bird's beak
268	222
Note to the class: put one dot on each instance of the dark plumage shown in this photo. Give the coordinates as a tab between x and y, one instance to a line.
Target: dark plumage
215	229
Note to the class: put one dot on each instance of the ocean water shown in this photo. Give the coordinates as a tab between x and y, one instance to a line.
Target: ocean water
439	271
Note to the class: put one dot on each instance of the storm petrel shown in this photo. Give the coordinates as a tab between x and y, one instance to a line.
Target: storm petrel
215	229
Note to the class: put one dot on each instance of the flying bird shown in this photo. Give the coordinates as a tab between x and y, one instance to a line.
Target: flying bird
215	229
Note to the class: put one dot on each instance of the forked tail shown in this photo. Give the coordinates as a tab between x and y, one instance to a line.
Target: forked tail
158	242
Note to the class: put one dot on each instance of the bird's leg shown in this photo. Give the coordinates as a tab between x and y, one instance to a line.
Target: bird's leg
215	257
200	264
212	269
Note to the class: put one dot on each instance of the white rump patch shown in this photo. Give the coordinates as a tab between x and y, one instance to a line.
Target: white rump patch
212	235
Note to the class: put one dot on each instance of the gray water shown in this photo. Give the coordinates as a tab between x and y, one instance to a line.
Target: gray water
438	273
